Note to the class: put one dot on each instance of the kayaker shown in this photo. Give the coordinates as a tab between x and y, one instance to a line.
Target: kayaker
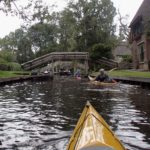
77	73
102	77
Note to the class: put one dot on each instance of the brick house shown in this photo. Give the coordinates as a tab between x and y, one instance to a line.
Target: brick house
140	37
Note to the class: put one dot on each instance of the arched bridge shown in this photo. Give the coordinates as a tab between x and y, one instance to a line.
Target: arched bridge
51	58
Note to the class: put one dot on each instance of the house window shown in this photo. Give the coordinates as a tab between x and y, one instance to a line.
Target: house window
141	52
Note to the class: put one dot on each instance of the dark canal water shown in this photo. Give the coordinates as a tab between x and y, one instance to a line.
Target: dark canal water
42	115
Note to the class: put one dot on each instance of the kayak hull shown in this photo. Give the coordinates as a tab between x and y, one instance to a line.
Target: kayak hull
103	83
92	131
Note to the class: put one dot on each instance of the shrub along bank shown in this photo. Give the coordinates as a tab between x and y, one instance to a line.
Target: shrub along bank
8	61
10	66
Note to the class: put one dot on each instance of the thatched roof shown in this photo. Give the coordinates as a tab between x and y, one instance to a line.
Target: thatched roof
122	49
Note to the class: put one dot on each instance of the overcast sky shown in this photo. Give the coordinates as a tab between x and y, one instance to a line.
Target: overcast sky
9	23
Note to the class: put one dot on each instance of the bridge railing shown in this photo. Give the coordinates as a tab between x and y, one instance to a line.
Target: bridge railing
108	62
49	58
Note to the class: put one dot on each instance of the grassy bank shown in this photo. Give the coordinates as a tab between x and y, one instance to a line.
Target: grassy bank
116	73
127	73
8	74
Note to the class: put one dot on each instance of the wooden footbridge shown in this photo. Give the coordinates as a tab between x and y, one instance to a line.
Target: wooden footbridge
51	58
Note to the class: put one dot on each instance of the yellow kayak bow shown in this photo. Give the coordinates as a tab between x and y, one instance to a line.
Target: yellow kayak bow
93	133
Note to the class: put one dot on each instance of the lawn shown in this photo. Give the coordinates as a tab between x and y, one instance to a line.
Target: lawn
7	74
126	73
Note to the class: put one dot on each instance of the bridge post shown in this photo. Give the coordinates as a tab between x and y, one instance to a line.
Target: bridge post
52	66
74	66
86	66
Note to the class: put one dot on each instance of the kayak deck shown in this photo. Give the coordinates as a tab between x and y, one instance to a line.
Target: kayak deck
93	133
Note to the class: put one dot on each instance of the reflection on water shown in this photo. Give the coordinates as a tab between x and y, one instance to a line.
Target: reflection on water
42	115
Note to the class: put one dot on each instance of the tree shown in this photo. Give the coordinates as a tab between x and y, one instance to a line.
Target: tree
123	27
43	38
78	27
5	5
8	43
30	11
24	47
100	50
19	44
6	56
67	31
88	22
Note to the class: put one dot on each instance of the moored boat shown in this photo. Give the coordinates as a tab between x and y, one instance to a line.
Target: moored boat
93	133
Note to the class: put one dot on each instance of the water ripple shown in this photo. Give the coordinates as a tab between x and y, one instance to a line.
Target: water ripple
42	115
